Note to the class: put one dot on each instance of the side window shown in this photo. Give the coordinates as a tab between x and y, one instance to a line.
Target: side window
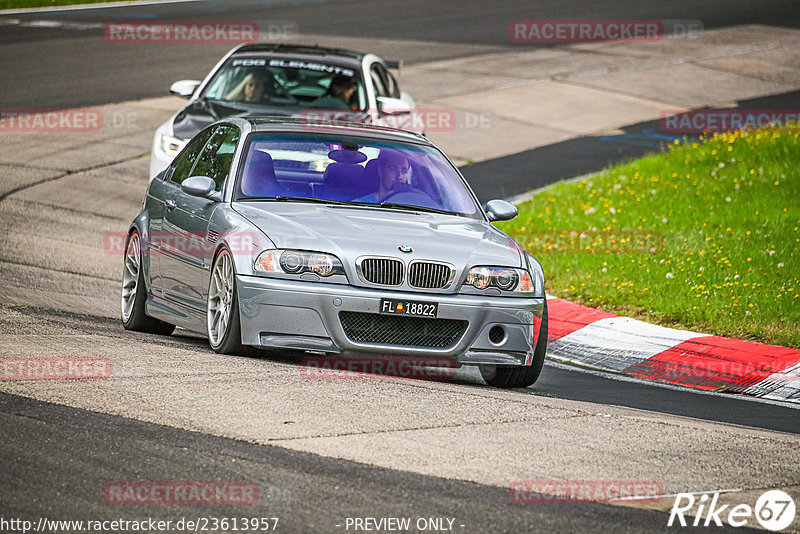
389	83
215	161
185	160
377	81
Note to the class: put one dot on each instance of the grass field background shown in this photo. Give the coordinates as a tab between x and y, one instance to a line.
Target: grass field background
703	236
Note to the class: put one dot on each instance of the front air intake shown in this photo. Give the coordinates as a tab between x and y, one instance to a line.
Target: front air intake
382	271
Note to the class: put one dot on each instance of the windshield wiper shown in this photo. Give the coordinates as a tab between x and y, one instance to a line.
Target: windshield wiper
282	198
393	205
411	207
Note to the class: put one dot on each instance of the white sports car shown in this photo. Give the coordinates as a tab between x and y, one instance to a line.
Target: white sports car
281	79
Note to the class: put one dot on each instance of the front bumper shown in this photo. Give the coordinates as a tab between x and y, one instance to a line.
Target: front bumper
288	314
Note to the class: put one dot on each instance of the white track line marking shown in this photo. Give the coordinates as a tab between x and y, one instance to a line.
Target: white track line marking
81	7
666	495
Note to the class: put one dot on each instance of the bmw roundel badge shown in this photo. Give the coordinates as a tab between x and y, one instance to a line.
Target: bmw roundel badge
405	248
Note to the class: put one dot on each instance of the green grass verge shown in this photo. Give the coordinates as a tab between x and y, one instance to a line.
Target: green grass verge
15	4
701	236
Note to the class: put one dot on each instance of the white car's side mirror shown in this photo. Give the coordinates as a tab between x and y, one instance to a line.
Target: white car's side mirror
184	88
392	106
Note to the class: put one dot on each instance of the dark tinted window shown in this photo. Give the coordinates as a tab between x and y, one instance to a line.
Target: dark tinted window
215	161
185	160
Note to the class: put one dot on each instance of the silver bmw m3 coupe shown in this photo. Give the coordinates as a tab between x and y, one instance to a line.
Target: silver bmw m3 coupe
340	240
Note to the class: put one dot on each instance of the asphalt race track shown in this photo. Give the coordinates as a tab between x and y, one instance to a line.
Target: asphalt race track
323	452
307	492
67	68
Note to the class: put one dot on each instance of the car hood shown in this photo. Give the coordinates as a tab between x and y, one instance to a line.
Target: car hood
353	231
198	114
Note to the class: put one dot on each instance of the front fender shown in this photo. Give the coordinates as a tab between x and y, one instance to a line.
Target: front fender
537	274
243	240
141	225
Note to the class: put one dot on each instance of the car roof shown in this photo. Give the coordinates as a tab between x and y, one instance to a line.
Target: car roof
273	123
316	53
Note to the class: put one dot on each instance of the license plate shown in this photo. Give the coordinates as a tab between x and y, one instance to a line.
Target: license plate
409	307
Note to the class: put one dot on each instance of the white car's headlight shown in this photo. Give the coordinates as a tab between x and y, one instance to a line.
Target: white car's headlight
172	145
298	262
506	279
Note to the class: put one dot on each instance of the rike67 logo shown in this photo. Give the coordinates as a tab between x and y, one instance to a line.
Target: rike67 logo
774	510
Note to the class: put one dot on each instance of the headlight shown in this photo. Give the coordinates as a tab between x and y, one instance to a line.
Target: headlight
504	278
298	262
172	145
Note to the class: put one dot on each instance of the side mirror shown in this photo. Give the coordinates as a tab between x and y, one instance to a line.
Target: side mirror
392	106
199	186
500	210
184	88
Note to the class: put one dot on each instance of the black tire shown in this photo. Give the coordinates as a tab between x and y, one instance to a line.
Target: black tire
515	376
139	321
232	339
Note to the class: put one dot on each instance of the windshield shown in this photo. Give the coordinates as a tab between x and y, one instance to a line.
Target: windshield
287	82
323	168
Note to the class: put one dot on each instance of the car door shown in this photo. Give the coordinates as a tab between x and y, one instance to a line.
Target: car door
163	190
188	253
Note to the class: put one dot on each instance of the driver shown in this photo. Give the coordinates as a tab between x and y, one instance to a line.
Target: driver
339	94
250	89
392	168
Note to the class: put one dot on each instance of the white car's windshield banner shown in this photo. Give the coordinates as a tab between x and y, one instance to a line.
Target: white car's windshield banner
333	69
249	62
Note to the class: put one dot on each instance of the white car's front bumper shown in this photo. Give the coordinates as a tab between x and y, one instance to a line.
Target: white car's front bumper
159	159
